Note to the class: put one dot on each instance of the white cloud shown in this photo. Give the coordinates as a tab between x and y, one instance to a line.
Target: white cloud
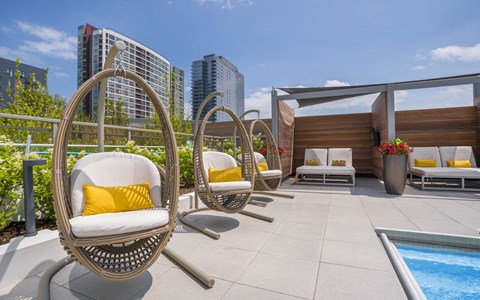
452	53
187	109
419	68
261	100
25	57
335	82
225	4
420	55
49	41
61	74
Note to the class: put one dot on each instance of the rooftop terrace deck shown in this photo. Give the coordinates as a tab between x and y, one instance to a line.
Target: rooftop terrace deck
322	245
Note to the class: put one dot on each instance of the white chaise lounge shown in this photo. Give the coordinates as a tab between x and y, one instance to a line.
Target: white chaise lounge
442	171
325	170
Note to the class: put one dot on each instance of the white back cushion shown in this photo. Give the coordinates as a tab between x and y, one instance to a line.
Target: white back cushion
340	154
259	157
112	169
217	160
457	153
317	154
424	153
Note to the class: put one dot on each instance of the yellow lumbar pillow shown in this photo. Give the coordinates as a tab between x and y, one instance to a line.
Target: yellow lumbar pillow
262	166
109	199
225	175
339	163
426	163
313	162
459	163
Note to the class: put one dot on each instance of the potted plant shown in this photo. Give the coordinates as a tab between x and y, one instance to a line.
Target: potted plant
394	155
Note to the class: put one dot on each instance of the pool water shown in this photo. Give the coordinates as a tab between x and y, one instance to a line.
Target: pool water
443	273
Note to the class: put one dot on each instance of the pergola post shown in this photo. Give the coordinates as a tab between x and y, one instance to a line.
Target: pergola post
275	115
476	91
390	105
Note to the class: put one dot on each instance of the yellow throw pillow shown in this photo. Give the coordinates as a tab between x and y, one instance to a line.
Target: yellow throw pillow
459	163
426	163
225	175
313	162
262	166
109	199
339	163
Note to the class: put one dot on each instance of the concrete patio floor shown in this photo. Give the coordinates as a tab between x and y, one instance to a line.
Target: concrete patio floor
322	245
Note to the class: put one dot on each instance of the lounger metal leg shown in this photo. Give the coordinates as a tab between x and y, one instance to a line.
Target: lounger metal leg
423	182
353	180
257	216
187	266
463	183
44	285
201	228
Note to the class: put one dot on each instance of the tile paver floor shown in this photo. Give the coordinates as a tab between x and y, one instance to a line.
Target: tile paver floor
321	245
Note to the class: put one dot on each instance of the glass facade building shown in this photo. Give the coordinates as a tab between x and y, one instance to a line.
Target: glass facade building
215	73
93	47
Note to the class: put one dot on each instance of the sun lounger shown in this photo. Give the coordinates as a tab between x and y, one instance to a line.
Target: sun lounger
326	172
450	178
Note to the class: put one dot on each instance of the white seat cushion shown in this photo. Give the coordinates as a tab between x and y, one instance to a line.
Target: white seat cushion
316	154
229	186
327	170
217	160
340	154
423	153
118	223
112	169
457	153
447	172
271	173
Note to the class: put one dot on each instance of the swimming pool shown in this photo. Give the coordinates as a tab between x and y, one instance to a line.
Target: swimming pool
443	273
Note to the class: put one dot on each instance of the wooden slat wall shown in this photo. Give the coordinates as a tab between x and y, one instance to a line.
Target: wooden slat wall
286	129
336	131
455	126
379	123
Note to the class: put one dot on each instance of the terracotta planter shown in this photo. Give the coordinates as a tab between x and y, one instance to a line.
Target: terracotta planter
395	173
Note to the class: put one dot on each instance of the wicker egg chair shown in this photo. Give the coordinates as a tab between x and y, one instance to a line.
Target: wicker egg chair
121	255
227	197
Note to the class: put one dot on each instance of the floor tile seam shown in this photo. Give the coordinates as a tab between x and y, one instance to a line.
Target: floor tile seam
366	212
377	242
263	289
83	294
358	267
290	256
466	206
406	217
321	249
11	287
448	216
471	207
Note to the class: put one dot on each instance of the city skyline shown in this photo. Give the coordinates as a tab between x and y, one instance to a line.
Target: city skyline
274	43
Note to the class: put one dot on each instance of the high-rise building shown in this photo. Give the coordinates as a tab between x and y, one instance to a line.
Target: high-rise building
177	83
93	47
7	78
215	73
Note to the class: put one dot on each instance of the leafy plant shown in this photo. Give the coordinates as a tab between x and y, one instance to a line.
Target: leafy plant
395	147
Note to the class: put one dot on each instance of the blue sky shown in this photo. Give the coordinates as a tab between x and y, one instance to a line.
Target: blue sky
272	42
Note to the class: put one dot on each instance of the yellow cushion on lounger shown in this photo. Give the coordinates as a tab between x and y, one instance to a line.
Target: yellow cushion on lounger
339	163
109	199
262	166
225	175
425	163
459	163
313	162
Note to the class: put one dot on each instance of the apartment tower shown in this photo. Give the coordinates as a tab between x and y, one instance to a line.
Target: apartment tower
93	47
215	73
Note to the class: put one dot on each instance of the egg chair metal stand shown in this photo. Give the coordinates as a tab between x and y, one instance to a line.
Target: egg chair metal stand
232	197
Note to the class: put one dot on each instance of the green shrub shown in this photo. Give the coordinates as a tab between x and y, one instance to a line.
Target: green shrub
11	190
